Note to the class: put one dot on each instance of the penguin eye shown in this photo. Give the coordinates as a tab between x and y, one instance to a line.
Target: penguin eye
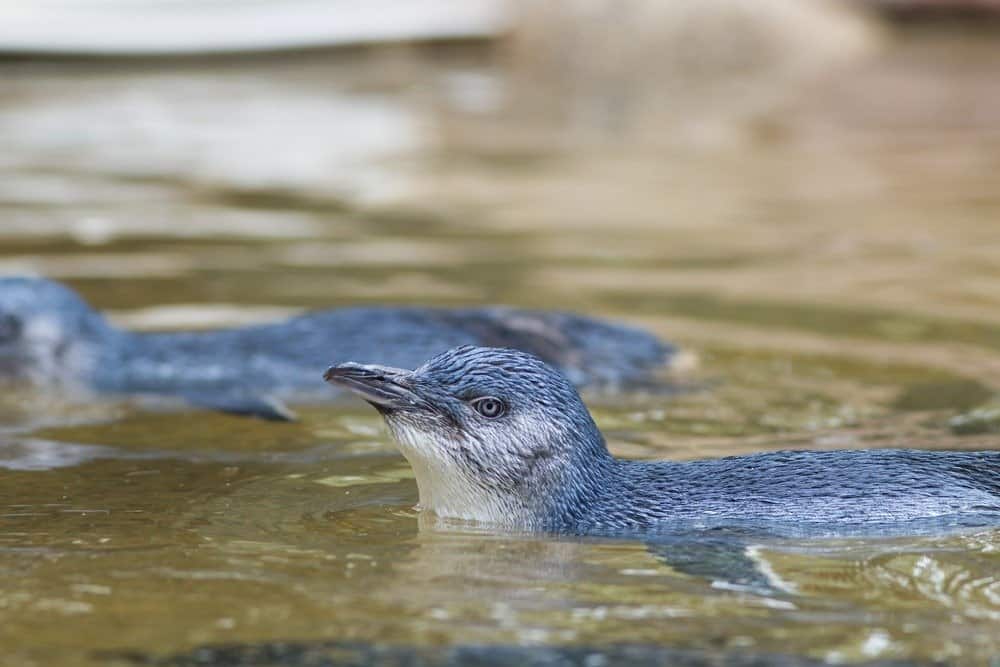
10	328
489	407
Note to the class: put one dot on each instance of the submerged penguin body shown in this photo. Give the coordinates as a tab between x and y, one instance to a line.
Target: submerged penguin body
280	356
498	436
49	336
876	488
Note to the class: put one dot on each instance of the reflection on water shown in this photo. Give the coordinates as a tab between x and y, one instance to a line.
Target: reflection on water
165	554
830	263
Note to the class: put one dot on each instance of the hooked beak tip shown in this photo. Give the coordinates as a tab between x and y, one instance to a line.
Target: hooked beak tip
351	370
383	387
330	375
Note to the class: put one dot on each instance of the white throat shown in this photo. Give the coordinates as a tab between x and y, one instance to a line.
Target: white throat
444	488
44	337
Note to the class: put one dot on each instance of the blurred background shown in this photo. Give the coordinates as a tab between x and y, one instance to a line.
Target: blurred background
804	195
818	169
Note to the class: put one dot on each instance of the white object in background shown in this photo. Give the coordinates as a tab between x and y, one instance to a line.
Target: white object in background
178	27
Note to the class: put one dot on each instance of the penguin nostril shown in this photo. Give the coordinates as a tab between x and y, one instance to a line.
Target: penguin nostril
10	328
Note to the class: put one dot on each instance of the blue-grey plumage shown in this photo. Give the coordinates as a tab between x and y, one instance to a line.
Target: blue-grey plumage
49	335
499	436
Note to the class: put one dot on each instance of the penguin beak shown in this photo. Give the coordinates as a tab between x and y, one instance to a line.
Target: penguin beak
384	387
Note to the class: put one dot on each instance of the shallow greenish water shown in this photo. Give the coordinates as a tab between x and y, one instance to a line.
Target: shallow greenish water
830	270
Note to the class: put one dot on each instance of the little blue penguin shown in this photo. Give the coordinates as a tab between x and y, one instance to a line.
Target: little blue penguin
49	336
499	436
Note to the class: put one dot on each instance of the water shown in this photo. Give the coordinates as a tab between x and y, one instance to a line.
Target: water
829	263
